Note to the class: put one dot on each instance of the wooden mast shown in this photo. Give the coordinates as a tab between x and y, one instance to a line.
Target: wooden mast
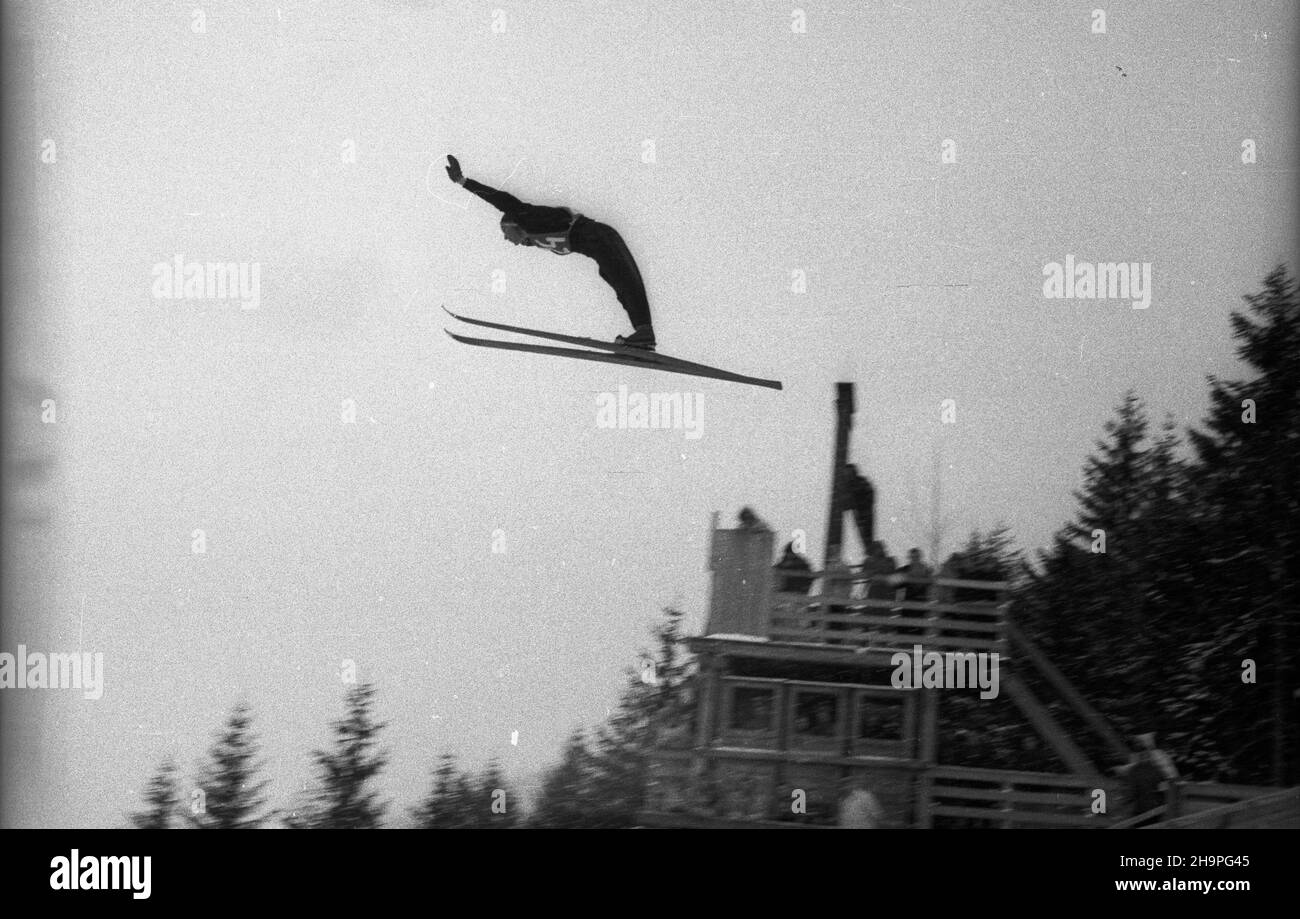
844	409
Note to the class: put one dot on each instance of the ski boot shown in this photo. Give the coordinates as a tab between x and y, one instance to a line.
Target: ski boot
643	338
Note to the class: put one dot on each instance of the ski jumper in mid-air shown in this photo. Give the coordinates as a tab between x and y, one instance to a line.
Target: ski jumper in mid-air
561	230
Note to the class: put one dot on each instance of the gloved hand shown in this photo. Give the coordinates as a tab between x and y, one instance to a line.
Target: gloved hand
453	170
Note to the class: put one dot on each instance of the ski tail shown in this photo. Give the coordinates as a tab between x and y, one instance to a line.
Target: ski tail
625	360
630	356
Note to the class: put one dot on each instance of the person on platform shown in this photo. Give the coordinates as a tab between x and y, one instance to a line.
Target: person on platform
878	567
1149	775
912	583
859	810
792	570
914	577
749	520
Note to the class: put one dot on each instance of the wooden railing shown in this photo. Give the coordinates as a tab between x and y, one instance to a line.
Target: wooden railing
756	786
1258	808
685	790
688	784
889	624
1005	798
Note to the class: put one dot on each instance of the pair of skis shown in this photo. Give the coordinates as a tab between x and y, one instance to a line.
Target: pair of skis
604	352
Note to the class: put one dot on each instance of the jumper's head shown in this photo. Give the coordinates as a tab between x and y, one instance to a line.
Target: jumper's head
513	231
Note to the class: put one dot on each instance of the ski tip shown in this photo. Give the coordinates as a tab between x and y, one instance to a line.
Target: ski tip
447	311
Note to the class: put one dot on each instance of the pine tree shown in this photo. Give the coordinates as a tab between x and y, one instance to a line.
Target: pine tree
565	801
448	803
1112	495
601	783
1199	572
1246	482
1110	601
161	798
494	804
230	796
343	799
991	556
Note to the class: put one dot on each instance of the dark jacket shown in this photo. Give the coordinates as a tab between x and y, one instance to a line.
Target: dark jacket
793	572
533	218
1144	786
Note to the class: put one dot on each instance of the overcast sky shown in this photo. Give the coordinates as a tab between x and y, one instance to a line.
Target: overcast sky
774	152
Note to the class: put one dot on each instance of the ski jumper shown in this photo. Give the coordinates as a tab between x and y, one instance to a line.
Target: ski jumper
561	230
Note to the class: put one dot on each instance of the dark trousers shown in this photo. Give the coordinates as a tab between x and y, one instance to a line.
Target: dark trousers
601	242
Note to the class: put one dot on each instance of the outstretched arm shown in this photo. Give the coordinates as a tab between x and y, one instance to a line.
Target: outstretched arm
501	200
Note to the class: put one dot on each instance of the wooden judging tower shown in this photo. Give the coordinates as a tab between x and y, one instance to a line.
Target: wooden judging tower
795	720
